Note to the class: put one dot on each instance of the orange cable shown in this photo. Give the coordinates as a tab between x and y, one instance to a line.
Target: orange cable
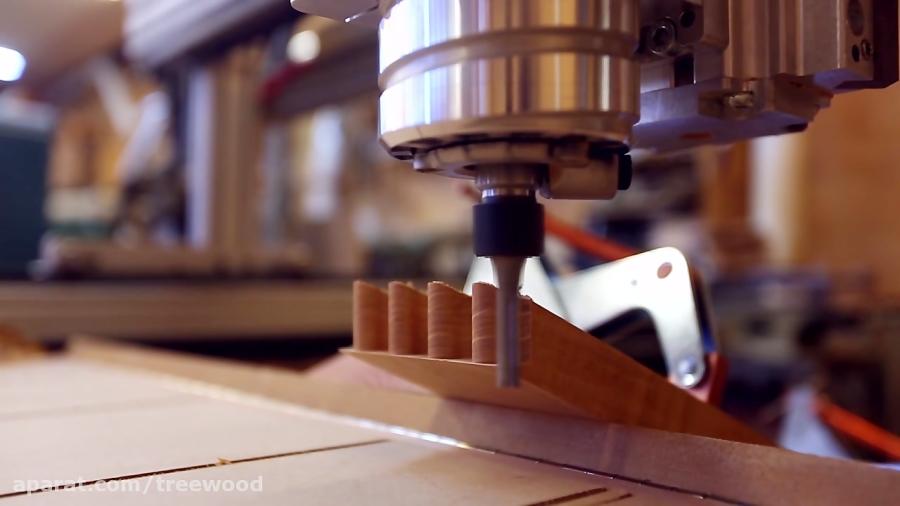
586	242
858	428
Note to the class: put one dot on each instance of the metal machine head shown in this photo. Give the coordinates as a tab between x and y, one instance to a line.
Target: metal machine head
549	96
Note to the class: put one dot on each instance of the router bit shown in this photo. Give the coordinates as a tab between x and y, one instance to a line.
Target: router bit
508	228
508	274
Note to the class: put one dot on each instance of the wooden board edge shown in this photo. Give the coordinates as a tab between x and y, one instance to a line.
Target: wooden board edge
737	472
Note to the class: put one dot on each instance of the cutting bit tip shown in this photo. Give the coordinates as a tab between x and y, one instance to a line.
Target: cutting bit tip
508	272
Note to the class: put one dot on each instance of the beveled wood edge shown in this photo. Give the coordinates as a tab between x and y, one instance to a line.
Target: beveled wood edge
712	468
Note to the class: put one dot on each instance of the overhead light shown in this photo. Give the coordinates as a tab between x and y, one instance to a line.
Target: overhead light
12	64
304	46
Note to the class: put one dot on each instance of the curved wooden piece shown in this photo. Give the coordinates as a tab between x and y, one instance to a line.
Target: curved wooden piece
484	324
407	320
569	372
449	322
370	313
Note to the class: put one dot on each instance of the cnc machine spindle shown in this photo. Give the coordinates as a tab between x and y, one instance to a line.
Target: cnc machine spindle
508	228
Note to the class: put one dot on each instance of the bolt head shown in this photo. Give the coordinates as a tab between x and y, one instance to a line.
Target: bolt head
688	372
662	38
866	49
742	101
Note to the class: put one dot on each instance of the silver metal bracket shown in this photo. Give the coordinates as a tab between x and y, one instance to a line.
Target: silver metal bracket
350	11
658	281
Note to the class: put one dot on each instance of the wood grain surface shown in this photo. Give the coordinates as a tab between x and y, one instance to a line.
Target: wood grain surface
484	324
407	320
370	317
718	470
147	449
449	322
565	371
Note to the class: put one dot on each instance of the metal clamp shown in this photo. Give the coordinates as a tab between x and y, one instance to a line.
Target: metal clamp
660	283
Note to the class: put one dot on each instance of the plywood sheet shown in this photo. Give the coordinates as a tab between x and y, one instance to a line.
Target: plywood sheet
684	464
49	386
395	472
84	422
196	428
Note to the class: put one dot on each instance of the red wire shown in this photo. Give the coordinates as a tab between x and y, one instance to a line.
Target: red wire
276	84
586	242
858	429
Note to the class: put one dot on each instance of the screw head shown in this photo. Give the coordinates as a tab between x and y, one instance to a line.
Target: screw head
688	17
688	372
866	49
741	101
664	270
662	37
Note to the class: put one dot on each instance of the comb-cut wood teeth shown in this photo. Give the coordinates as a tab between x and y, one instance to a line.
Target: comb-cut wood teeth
440	323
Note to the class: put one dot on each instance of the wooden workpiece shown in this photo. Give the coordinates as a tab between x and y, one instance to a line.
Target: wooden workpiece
407	320
121	436
565	371
484	324
370	317
449	322
649	466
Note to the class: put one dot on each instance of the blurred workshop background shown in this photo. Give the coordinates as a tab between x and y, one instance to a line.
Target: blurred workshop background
213	184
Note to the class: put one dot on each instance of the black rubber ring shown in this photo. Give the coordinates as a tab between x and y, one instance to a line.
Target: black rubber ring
509	226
